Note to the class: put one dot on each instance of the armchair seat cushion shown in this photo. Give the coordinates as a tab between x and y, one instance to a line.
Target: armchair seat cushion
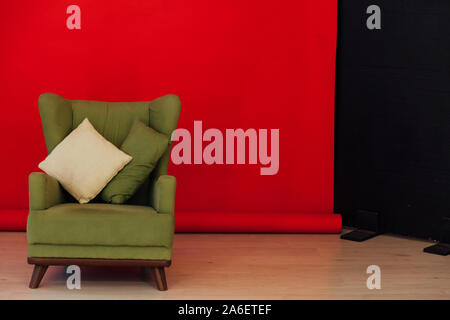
100	224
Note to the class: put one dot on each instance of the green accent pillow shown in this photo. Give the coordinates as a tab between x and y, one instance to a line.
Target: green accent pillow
146	146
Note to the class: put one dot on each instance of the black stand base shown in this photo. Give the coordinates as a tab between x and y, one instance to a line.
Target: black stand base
442	249
359	235
368	224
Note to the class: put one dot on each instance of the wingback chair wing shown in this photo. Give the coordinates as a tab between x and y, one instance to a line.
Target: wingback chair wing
60	231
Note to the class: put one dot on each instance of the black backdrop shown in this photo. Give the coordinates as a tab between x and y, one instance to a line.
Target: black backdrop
392	148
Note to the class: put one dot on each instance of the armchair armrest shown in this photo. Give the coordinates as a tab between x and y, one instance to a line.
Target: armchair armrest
163	194
44	191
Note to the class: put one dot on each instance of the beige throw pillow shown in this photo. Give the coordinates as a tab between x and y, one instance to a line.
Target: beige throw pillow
84	162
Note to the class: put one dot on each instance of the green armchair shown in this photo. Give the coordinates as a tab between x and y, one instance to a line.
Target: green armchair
60	231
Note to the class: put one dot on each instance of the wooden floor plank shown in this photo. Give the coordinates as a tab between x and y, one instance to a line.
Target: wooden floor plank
247	266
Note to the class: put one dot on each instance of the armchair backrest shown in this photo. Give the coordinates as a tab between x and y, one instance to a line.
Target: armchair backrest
113	120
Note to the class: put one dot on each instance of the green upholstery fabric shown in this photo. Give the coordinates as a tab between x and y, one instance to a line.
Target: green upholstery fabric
140	229
99	252
44	191
100	224
56	117
112	120
163	195
146	146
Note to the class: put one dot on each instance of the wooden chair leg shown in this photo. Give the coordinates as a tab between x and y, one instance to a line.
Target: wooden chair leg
38	274
160	278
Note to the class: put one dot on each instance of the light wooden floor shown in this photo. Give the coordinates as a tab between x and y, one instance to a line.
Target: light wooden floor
248	266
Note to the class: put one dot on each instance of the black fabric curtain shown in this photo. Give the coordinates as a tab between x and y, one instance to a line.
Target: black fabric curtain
392	147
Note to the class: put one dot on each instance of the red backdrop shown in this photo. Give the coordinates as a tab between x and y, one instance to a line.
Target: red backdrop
234	64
